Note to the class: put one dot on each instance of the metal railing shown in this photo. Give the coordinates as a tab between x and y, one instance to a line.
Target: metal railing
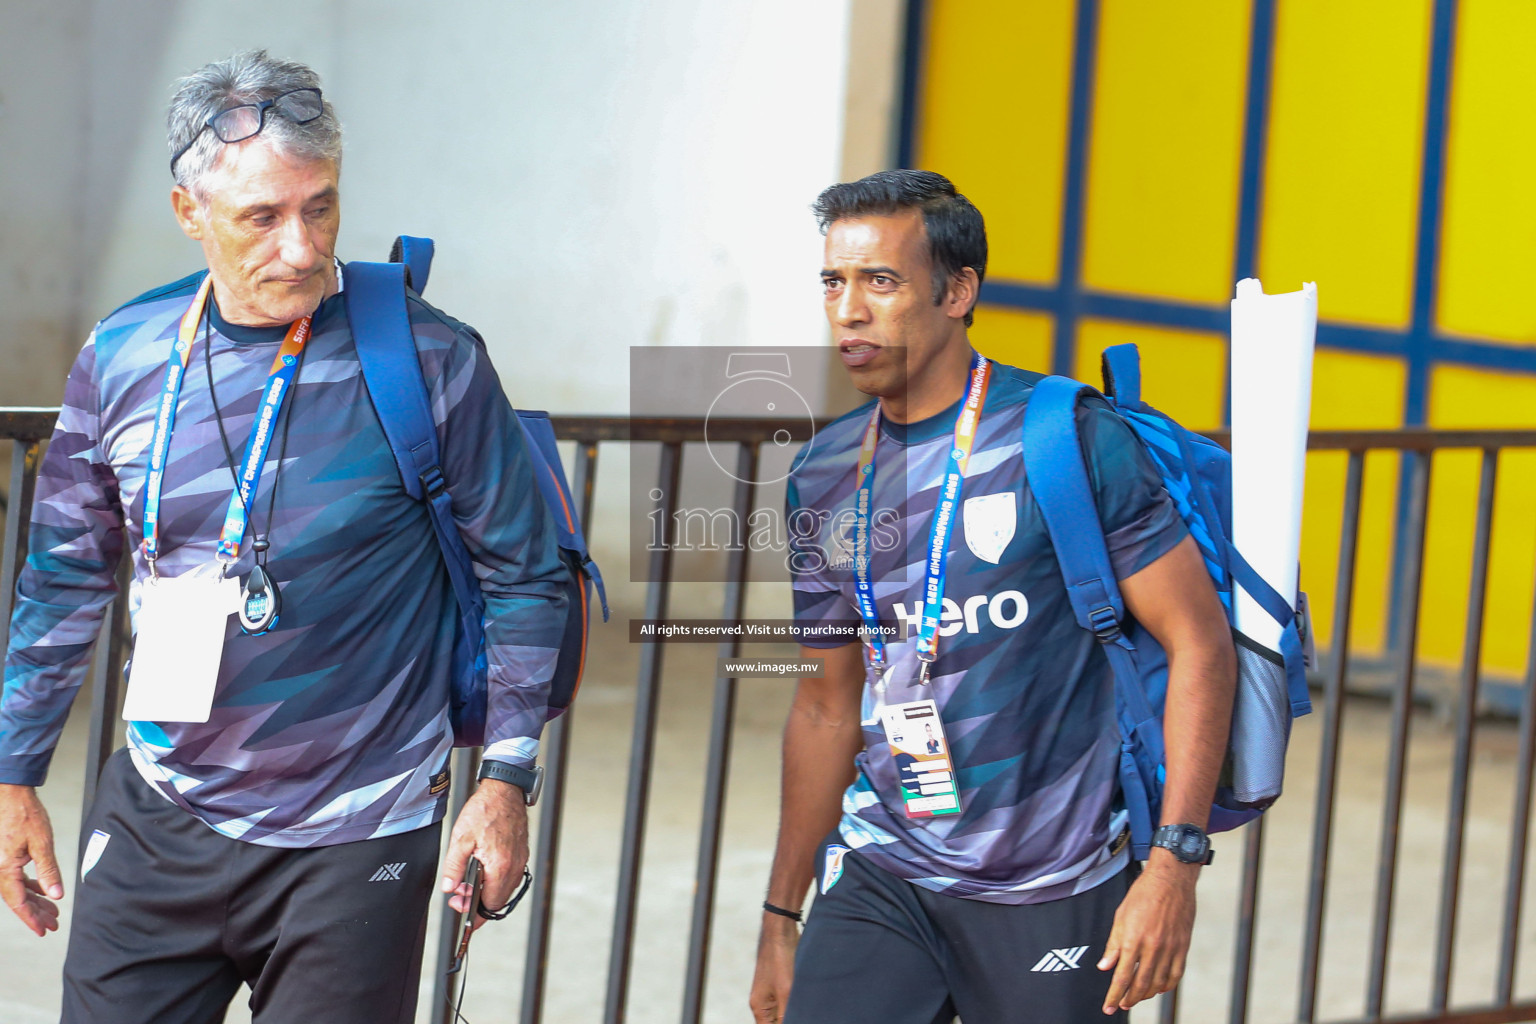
27	429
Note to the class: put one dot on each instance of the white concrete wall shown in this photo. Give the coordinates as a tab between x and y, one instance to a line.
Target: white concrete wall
599	173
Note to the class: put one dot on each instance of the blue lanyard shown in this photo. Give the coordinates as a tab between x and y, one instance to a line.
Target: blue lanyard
938	536
278	380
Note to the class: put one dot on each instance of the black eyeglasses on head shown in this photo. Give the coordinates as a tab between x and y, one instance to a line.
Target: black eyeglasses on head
236	124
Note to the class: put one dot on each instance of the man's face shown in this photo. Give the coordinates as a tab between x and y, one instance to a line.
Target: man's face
268	229
879	300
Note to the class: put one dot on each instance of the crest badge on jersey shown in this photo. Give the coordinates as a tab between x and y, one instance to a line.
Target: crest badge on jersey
990	520
832	867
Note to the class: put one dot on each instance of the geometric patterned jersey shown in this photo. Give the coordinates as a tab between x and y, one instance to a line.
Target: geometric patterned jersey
333	726
1025	694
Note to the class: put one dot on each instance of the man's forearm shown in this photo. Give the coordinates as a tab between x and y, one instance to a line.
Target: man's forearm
1173	600
1196	719
819	747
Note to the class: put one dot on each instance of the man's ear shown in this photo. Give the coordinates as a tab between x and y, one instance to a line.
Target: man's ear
960	296
189	212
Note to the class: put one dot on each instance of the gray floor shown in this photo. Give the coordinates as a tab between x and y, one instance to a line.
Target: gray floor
29	967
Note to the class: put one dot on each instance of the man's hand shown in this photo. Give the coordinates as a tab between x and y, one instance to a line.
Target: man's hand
775	968
27	835
1150	938
493	828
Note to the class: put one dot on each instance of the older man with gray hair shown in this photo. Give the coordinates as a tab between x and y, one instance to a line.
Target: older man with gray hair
274	818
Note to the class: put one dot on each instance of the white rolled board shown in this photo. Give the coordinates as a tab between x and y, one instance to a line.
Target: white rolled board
1272	341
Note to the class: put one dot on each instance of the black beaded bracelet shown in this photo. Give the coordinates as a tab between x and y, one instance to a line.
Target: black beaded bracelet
793	915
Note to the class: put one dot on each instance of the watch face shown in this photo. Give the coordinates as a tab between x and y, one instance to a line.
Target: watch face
1191	844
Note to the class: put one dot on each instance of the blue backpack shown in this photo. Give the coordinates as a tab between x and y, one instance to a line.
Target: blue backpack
381	330
1197	473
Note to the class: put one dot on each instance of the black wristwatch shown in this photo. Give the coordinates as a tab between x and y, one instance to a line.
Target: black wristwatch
529	780
1188	843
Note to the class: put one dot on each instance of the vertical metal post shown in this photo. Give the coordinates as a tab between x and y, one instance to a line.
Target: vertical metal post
1402	708
106	685
1466	707
1519	828
1248	919
556	750
464	762
1328	759
18	520
718	763
647	701
1168	1007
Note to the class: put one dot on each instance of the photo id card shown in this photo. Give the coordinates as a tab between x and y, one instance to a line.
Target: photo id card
916	736
178	644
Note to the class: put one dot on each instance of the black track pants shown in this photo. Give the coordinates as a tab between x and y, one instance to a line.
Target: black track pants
171	917
879	950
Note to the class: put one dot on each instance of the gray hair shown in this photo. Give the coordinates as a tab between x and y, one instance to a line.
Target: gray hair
248	77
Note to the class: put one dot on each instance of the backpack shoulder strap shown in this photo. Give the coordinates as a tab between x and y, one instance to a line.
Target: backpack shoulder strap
1057	477
416	254
386	350
381	332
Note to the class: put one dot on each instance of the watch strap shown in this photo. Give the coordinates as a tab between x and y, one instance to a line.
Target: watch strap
529	779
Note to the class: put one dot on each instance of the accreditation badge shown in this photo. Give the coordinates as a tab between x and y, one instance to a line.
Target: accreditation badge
178	644
916	737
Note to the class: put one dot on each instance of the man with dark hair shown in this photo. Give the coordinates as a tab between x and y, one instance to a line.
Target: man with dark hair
274	818
957	237
985	874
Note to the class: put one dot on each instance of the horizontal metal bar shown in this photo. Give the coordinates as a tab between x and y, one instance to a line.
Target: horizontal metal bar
1404	439
1475	1015
1418	439
28	424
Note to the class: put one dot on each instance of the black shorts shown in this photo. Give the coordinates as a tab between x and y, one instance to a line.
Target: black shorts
171	917
879	950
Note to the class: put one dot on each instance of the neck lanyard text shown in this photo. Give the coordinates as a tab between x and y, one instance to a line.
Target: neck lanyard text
938	538
273	394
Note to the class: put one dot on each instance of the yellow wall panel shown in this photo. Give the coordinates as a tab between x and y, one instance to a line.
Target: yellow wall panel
1341	187
1017	337
993	119
1352	392
1488	258
1181	371
1166	146
1341	180
1461	397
